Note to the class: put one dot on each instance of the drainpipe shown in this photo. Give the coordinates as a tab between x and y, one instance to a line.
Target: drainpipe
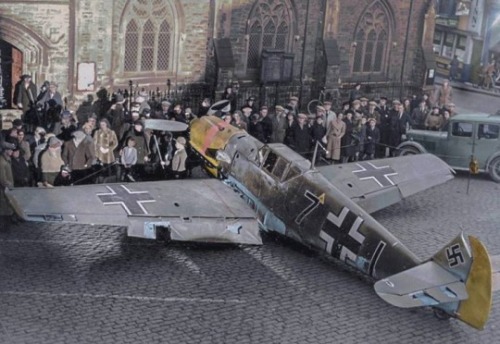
303	52
405	49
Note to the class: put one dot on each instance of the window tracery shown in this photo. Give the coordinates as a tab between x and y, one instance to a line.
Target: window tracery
148	36
372	40
268	28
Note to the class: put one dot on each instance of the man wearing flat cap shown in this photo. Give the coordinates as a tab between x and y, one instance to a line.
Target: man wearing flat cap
301	135
279	124
372	112
267	124
329	113
399	122
363	105
294	104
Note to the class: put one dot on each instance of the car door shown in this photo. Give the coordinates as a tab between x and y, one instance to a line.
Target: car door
487	142
459	144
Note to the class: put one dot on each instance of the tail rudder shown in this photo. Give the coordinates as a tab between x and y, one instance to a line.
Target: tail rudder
456	280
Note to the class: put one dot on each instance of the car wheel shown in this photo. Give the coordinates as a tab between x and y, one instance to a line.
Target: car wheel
408	150
494	169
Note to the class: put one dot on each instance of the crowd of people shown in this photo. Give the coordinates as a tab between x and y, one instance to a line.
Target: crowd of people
52	146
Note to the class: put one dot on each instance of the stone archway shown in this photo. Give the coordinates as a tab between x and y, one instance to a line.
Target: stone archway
33	48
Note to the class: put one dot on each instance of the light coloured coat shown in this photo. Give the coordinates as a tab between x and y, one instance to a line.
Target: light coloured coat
334	134
105	142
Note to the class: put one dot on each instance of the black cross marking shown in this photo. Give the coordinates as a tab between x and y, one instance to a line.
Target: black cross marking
379	174
341	235
131	201
454	255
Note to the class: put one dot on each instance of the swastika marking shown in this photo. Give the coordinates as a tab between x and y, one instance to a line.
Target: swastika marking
131	201
454	255
379	174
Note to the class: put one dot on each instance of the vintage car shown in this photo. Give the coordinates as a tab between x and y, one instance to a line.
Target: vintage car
472	136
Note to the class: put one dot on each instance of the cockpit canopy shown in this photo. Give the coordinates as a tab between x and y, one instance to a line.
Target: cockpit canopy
281	162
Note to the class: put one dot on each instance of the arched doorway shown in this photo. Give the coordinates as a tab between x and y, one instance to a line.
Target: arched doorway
11	68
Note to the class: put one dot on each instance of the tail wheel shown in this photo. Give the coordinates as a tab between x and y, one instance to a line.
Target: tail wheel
408	150
494	169
441	315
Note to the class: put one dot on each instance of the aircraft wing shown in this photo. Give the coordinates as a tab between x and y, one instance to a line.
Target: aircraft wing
377	184
201	210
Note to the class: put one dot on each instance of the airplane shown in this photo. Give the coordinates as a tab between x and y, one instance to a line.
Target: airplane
270	187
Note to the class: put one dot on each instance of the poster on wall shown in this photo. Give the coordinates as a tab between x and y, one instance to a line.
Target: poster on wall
86	76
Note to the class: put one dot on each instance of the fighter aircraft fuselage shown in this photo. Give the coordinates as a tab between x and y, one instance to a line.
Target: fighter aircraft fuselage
292	199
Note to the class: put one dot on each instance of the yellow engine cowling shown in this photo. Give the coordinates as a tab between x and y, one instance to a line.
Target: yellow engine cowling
208	135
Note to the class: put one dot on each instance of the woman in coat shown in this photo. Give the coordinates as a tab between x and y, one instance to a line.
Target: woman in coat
334	134
105	142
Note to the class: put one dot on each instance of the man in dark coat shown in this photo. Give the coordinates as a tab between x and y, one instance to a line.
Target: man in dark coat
26	101
419	115
20	169
255	128
399	122
267	124
372	139
301	135
384	127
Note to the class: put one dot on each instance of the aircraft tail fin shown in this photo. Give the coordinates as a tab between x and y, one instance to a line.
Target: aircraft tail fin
456	280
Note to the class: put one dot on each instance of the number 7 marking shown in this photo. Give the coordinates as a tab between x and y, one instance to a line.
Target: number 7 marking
315	202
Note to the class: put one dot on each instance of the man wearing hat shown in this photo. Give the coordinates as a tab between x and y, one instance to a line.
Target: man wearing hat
356	106
294	105
179	169
6	179
51	161
372	138
20	169
355	92
65	127
267	124
419	114
204	107
384	127
250	102
372	111
165	111
116	113
279	124
247	114
400	121
434	120
26	101
329	113
50	101
301	136
363	105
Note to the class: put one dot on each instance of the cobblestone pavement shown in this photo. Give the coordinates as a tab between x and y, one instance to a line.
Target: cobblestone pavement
90	284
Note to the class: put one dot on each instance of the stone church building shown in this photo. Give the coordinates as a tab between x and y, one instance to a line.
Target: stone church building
84	45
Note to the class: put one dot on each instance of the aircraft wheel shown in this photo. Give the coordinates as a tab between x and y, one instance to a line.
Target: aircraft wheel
494	169
408	150
441	315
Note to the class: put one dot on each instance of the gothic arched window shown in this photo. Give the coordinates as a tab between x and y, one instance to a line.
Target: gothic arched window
372	40
268	27
148	36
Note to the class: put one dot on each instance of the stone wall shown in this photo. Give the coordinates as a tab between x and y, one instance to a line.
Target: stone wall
41	32
58	35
